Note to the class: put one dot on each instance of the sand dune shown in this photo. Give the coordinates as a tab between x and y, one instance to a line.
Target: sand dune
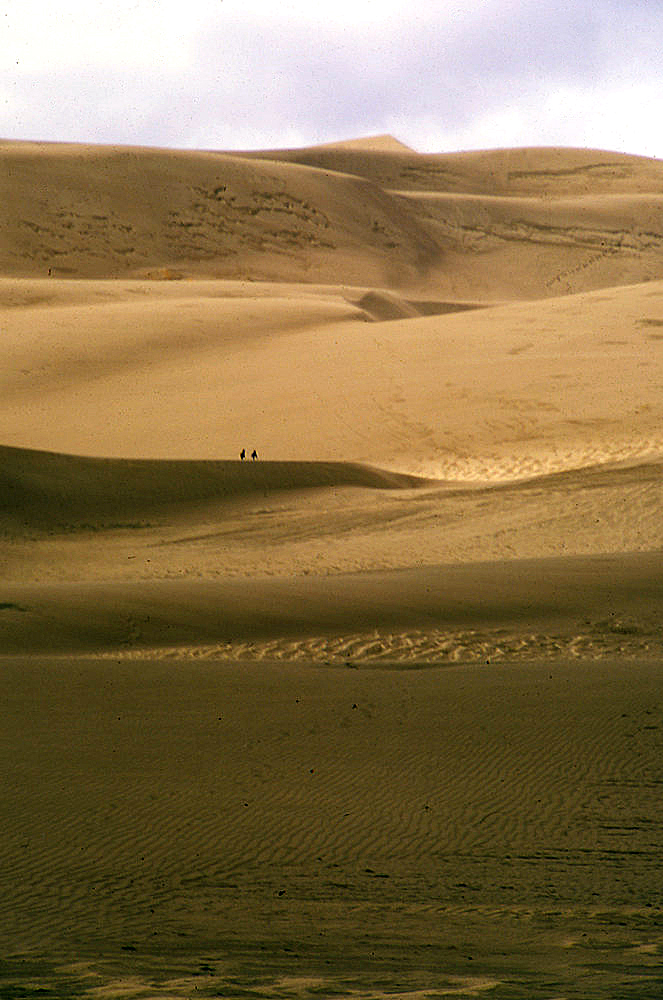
493	393
167	214
71	519
543	246
534	222
528	171
379	713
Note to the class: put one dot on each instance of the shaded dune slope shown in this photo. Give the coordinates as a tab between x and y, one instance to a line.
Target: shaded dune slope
361	213
52	484
520	595
382	306
49	483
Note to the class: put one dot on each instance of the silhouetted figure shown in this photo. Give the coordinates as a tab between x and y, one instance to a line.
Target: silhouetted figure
254	455
242	454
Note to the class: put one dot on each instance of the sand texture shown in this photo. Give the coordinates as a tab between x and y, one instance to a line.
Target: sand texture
378	713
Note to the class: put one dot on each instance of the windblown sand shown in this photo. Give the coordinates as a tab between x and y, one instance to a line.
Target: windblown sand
379	713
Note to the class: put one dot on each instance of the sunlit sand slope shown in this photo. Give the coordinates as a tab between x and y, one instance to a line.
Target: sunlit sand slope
537	246
495	393
115	211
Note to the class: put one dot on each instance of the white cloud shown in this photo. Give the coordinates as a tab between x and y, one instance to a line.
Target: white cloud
70	34
440	74
617	116
602	117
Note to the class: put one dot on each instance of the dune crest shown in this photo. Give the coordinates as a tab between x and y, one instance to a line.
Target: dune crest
76	486
372	143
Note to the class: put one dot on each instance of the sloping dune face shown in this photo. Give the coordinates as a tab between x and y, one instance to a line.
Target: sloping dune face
520	222
514	223
331	520
113	212
197	370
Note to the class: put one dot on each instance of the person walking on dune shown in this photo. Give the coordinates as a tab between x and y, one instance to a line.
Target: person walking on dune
242	454
254	455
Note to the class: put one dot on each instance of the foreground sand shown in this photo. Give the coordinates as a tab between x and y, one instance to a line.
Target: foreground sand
225	829
379	713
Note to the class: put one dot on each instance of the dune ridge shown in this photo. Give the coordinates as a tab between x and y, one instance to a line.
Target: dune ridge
201	213
81	485
67	518
521	171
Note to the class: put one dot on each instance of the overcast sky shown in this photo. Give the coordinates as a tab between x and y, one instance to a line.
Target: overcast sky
440	75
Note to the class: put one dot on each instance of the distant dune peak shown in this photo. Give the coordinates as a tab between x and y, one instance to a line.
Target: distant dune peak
375	143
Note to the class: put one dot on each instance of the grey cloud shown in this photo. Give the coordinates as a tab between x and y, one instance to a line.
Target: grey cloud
344	84
351	85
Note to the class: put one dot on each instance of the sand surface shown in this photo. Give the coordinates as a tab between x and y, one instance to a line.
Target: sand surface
379	713
275	830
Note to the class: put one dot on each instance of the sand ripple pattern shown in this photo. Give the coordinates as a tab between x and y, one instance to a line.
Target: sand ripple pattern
191	829
616	637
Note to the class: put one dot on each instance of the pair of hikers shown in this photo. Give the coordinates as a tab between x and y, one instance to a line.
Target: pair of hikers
254	454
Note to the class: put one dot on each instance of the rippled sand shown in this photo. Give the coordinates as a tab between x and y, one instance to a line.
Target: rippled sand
216	828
